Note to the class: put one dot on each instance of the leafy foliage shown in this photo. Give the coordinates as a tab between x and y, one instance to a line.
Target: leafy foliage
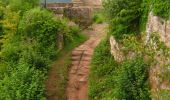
130	16
161	8
128	80
131	81
23	5
123	16
29	46
102	69
111	80
98	17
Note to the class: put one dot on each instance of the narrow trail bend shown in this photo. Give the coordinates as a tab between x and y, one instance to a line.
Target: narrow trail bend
77	86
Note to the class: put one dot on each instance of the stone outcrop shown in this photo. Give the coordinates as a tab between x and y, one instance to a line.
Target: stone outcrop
156	24
162	27
115	50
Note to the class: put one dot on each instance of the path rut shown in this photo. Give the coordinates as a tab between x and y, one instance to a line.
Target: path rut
77	88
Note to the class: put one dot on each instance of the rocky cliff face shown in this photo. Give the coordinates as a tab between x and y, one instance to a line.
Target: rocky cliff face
162	27
156	24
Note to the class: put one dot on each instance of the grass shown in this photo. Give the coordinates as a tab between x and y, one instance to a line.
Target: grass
99	17
110	80
101	71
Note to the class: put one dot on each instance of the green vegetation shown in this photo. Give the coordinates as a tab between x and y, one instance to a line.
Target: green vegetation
98	17
130	17
123	16
128	79
29	45
131	81
101	72
161	8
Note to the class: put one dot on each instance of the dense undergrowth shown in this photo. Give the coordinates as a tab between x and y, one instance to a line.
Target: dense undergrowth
29	37
128	79
161	8
130	17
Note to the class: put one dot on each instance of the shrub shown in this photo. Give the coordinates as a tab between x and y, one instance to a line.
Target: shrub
123	16
23	83
119	81
39	25
131	81
28	50
98	17
161	8
23	5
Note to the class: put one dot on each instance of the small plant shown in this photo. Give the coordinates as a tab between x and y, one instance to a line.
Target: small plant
98	17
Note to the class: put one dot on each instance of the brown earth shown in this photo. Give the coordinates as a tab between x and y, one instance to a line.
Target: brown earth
57	78
77	84
77	88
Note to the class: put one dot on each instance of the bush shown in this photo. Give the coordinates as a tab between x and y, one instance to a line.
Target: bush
23	83
127	80
123	16
161	8
27	52
39	25
98	17
111	80
23	5
131	81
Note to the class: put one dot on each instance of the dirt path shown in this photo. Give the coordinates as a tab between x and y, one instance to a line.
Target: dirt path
77	88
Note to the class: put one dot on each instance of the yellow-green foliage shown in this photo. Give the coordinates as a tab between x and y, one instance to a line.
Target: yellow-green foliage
29	47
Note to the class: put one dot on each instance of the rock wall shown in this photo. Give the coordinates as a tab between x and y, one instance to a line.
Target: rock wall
80	15
162	27
79	11
115	50
156	24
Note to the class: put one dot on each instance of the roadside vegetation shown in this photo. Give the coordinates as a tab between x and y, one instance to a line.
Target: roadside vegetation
29	45
129	79
98	17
